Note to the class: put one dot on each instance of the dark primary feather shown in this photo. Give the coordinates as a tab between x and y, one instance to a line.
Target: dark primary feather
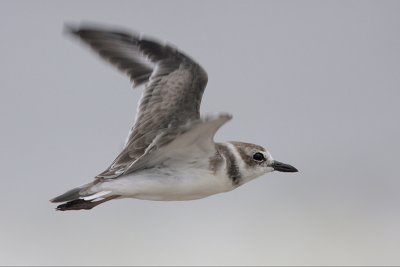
174	85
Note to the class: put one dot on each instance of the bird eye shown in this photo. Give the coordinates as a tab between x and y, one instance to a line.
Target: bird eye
258	156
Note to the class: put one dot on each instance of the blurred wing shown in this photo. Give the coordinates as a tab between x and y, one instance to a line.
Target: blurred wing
174	86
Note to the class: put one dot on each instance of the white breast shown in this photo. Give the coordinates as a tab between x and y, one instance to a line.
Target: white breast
168	184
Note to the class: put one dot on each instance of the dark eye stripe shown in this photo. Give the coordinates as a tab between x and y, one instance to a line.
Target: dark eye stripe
232	168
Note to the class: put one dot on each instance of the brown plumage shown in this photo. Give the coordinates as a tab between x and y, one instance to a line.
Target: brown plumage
174	83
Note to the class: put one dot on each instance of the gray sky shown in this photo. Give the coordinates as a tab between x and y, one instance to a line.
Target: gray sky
316	82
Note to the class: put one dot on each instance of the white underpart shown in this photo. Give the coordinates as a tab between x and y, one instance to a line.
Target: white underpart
168	184
97	196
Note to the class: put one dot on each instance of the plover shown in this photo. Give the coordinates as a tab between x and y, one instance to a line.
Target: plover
170	153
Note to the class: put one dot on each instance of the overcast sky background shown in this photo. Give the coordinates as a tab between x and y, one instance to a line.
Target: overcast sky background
316	82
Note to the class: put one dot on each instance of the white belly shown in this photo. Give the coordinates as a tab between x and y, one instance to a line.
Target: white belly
166	184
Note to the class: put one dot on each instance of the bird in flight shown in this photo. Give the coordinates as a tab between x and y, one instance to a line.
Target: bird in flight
170	153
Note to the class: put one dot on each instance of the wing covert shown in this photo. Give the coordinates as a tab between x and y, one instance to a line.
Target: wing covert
174	86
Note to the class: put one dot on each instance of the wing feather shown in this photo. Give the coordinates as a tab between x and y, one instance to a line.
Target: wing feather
191	142
174	86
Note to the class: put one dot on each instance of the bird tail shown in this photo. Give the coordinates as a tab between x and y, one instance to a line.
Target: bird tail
81	204
79	198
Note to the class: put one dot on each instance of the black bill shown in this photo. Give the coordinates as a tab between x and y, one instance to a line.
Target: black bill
282	167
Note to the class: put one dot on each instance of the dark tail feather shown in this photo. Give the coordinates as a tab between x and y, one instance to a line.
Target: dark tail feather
71	194
81	204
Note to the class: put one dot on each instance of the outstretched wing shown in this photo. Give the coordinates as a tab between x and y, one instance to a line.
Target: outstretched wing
174	86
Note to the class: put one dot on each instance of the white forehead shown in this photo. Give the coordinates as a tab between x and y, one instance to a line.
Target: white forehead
243	155
268	156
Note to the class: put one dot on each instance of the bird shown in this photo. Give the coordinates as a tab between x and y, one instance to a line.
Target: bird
170	153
